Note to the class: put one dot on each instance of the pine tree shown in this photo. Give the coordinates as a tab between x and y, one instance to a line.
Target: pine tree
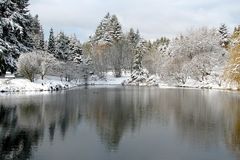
139	52
62	47
41	43
101	29
115	29
15	32
38	35
75	50
139	74
224	41
108	32
51	43
133	38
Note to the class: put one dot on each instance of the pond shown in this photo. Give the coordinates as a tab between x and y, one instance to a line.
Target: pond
121	123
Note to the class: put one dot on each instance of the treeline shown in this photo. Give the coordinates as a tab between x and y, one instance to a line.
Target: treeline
203	54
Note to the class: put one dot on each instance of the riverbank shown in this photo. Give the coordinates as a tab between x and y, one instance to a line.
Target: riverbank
53	83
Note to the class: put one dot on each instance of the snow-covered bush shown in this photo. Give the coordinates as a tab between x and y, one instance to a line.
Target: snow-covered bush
194	56
28	65
36	62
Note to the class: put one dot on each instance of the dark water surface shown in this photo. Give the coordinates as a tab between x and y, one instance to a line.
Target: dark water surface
116	123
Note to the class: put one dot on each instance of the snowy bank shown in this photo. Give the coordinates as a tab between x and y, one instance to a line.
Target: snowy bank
51	83
207	84
22	85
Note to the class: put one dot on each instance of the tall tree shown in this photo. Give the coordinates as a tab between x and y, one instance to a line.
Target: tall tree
115	29
51	43
132	41
75	50
224	41
62	47
15	32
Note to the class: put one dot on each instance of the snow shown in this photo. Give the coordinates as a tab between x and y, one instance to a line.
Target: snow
55	83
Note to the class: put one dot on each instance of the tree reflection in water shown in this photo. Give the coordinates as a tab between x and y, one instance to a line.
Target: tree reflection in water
15	142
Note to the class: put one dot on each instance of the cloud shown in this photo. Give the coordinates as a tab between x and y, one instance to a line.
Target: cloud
154	18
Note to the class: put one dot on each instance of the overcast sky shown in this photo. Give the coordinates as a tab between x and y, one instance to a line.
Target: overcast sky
154	18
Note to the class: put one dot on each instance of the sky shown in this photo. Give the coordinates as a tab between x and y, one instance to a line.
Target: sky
153	18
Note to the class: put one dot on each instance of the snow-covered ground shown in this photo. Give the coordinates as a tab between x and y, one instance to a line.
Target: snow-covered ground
207	84
55	83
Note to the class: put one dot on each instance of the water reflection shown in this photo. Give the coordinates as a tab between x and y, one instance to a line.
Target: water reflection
200	118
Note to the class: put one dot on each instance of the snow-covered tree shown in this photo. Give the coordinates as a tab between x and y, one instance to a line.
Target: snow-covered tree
115	29
108	31
224	35
51	43
108	45
41	43
75	50
47	62
132	39
15	32
28	65
139	74
100	33
194	55
156	51
62	47
36	62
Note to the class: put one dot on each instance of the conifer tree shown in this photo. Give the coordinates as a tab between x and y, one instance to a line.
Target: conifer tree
62	47
15	32
75	50
115	29
41	42
51	43
224	41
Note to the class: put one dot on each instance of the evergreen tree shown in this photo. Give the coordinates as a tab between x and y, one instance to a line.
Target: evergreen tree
51	43
139	52
108	32
132	41
224	41
41	42
38	35
101	29
115	29
62	47
139	74
133	38
15	32
75	50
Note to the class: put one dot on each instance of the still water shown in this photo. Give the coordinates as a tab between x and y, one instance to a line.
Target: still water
117	123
